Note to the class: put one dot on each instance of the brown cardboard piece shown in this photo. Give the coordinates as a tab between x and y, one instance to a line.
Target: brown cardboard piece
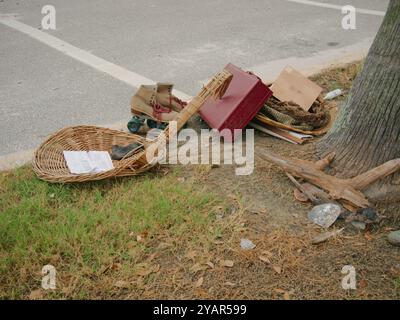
291	85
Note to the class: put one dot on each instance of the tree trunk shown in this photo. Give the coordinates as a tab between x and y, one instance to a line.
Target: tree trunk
367	130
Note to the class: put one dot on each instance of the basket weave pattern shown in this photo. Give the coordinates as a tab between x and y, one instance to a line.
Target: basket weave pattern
49	163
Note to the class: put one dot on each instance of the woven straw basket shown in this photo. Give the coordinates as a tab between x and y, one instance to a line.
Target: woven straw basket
49	163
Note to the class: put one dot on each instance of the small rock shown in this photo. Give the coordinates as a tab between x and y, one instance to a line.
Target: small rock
325	214
394	238
247	244
227	263
369	214
359	225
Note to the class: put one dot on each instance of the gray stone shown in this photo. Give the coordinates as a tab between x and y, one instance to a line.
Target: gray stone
394	238
247	244
325	214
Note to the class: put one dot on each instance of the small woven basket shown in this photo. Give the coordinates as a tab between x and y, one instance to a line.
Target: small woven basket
49	163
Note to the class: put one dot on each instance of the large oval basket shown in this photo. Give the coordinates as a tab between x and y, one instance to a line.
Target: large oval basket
49	163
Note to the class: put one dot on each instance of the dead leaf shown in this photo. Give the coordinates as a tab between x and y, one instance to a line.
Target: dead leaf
191	255
264	259
322	237
363	283
142	236
395	272
277	269
279	290
156	268
151	257
210	264
144	269
199	282
130	245
230	284
36	294
368	236
218	242
227	263
197	267
286	296
299	196
116	266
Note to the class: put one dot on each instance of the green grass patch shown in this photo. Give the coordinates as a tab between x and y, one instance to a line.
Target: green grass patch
86	229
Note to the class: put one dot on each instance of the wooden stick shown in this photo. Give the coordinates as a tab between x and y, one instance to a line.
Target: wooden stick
310	196
365	179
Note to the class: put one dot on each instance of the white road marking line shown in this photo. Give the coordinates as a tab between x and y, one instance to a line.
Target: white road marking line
337	7
83	56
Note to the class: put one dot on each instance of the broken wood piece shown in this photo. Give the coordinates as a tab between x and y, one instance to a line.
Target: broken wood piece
346	191
318	193
325	236
309	195
367	178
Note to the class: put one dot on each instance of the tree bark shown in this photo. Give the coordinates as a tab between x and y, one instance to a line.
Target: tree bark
367	131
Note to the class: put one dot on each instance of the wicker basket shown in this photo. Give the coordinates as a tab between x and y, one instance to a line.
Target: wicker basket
49	163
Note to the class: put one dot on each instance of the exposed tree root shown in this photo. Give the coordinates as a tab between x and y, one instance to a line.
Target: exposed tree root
346	191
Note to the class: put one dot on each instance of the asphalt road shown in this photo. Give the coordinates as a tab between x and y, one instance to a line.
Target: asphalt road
185	42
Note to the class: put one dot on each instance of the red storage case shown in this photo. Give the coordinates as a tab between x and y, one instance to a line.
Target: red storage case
244	97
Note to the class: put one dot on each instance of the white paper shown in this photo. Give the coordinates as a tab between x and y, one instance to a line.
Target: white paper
300	135
265	130
79	162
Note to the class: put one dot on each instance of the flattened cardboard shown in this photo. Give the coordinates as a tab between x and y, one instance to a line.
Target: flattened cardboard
291	85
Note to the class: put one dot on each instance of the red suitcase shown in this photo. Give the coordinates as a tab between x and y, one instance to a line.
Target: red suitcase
244	97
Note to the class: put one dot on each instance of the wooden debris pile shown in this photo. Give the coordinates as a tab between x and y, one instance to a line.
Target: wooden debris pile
323	187
297	111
